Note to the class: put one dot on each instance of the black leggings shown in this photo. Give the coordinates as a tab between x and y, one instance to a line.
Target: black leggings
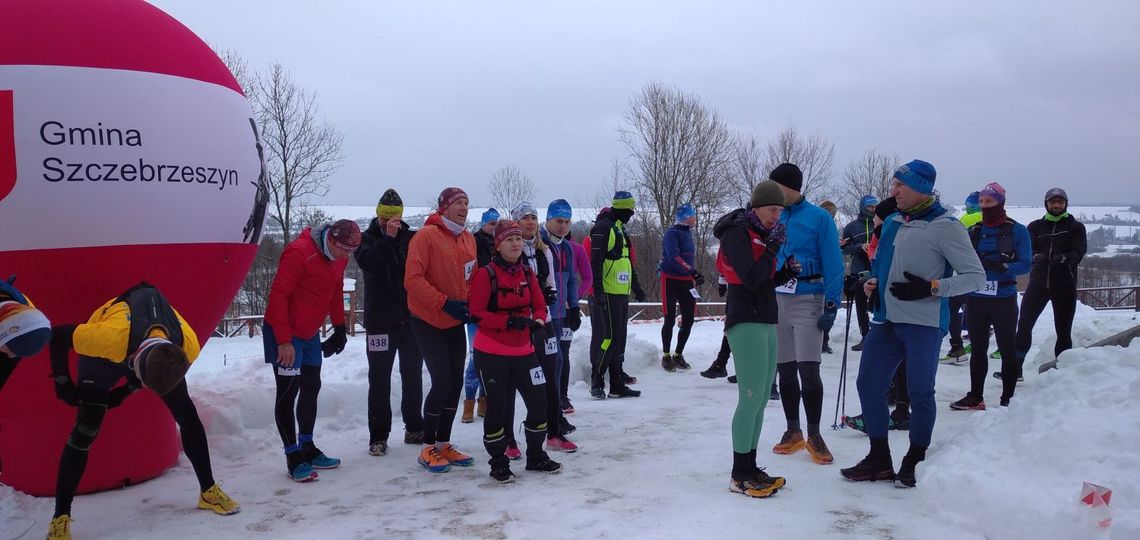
792	375
548	363
607	341
89	419
673	292
1033	303
297	392
1001	313
501	376
957	303
861	312
382	347
445	352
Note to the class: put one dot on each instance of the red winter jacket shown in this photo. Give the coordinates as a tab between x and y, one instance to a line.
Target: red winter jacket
518	295
307	287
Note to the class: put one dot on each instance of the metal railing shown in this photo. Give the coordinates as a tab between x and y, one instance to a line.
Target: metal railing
1108	298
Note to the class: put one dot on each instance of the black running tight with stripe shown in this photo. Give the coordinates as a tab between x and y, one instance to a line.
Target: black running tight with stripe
445	353
297	394
674	292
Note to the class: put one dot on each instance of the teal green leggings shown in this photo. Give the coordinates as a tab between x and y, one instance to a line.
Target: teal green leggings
754	348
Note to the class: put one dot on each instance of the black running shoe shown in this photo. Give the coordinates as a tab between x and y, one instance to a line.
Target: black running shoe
544	464
732	379
503	475
624	392
597	393
869	470
679	361
715	371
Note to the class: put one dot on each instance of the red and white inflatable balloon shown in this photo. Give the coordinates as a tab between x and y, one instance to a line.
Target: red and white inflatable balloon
127	154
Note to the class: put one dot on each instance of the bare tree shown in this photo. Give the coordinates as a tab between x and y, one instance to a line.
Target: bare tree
508	187
747	167
682	153
868	175
814	156
245	75
302	150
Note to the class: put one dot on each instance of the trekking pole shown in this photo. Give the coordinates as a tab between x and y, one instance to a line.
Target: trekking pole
841	394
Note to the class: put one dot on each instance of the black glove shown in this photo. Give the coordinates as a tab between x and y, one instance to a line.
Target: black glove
336	342
994	265
638	294
1040	258
722	289
851	285
778	234
698	278
519	323
574	318
827	319
550	296
915	288
457	310
793	266
1058	258
65	390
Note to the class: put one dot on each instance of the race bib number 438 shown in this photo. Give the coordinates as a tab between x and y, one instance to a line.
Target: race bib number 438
378	342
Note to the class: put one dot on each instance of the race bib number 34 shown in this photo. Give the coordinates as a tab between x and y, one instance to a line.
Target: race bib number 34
990	289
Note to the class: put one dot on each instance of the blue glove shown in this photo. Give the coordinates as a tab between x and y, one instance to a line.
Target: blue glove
457	310
827	320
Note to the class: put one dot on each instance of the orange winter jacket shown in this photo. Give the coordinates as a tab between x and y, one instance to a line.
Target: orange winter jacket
439	266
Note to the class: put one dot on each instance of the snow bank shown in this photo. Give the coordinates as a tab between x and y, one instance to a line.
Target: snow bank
1017	472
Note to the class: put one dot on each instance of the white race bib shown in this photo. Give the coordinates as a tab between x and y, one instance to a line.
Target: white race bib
551	346
567	334
294	371
537	377
695	294
789	287
377	342
990	289
623	278
468	269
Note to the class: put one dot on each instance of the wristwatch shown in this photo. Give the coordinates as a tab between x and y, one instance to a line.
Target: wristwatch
934	287
62	379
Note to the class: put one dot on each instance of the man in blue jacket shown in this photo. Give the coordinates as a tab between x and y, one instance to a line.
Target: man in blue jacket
565	311
856	238
913	274
1005	250
679	282
807	308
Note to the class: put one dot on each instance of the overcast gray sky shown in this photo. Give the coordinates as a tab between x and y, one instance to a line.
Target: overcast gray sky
429	94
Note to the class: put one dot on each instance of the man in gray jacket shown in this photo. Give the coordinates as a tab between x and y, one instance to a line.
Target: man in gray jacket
920	249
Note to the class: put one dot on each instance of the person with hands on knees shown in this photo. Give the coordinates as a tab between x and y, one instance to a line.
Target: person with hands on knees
139	339
441	261
807	305
24	330
679	282
1004	248
614	280
309	286
507	301
923	258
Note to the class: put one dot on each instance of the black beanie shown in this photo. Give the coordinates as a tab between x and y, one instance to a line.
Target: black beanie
788	175
391	198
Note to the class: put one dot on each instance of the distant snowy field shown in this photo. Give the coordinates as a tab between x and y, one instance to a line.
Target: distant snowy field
656	466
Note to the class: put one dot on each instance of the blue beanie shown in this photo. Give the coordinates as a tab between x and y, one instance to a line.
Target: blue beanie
559	208
868	200
972	204
685	212
490	215
917	175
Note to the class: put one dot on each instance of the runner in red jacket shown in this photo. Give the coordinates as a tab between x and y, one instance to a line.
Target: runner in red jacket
507	302
309	285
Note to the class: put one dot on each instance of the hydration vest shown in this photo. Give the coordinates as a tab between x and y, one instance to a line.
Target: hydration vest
1004	238
493	302
149	309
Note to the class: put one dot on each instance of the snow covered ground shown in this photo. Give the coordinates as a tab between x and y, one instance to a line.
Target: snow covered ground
656	466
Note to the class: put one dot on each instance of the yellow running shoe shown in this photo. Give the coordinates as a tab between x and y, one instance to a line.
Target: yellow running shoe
215	499
60	528
790	443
